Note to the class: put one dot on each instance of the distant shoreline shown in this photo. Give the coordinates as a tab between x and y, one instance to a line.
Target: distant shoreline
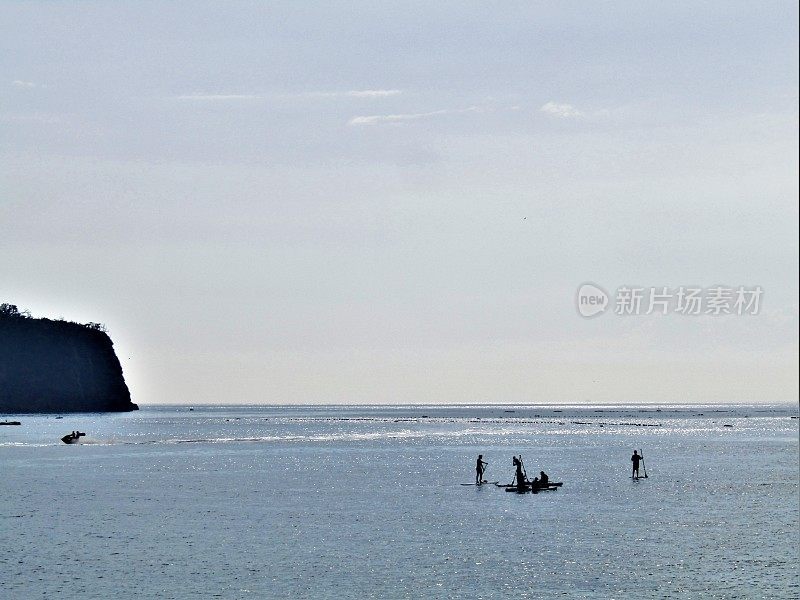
480	405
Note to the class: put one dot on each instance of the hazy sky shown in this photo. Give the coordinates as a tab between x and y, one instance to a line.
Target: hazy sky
297	202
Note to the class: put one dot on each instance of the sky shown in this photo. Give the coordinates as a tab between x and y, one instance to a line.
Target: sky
372	202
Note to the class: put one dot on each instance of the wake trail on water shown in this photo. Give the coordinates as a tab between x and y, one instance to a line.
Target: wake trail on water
341	437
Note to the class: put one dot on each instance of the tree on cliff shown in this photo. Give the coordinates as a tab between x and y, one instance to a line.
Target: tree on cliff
10	311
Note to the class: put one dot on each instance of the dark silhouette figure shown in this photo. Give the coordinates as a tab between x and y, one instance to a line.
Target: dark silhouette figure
520	473
544	480
635	460
479	469
536	485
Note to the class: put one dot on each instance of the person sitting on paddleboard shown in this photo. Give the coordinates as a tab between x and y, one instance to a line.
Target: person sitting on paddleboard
635	459
536	485
479	469
544	480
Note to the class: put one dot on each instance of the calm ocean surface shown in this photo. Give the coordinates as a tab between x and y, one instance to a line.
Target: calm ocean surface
366	502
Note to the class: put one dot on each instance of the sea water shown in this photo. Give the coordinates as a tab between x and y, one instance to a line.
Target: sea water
367	502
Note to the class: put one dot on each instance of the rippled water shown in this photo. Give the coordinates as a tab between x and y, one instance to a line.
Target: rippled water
366	502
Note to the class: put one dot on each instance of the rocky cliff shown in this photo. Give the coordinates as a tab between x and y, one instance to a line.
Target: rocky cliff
51	366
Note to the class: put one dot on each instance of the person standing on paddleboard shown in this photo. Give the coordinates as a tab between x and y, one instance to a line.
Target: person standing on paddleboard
520	473
479	469
635	460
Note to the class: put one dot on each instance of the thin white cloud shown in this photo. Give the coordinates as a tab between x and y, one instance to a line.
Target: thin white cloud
19	83
219	97
373	93
562	111
352	94
42	118
238	97
399	118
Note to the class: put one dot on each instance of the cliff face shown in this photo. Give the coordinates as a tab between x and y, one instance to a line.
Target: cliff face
58	366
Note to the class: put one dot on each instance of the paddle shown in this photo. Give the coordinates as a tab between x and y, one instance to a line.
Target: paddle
643	467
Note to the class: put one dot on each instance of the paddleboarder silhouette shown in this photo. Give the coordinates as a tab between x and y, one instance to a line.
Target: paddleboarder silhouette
520	472
635	460
479	469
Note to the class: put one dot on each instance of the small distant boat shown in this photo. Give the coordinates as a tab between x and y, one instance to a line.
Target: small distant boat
72	438
527	484
551	486
527	488
10	423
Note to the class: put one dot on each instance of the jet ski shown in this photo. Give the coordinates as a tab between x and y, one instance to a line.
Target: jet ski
72	438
